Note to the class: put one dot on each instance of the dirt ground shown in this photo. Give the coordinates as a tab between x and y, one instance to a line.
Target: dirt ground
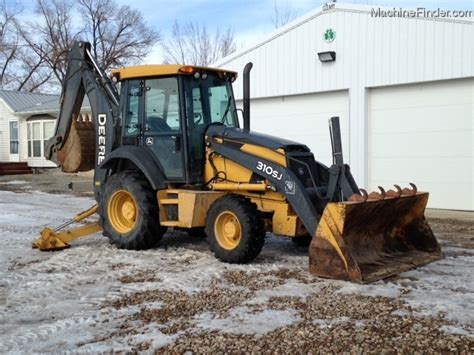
177	297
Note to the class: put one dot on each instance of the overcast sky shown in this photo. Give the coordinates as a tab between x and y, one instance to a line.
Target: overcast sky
251	20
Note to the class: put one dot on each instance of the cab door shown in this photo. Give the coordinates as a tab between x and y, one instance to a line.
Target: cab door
161	125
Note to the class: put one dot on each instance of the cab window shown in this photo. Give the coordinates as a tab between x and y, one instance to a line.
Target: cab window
133	101
209	101
162	105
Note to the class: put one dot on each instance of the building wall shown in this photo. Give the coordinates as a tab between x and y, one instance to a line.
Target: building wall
370	52
41	161
5	117
23	140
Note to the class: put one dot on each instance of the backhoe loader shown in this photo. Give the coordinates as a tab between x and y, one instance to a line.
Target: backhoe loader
167	150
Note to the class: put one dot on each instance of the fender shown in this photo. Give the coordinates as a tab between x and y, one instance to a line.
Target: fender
142	159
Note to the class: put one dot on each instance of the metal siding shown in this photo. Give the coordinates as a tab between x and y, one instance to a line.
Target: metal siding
468	57
371	52
389	50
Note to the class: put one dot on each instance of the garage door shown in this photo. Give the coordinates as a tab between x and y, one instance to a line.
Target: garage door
304	119
424	133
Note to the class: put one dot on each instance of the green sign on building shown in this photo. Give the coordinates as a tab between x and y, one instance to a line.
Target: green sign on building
329	35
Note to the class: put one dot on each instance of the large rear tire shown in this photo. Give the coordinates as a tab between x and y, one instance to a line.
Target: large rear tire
235	229
131	219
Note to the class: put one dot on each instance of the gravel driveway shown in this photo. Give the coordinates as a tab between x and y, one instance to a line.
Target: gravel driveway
178	297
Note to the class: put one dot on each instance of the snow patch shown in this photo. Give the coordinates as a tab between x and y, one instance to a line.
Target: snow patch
449	329
14	182
292	288
444	287
378	289
328	323
152	334
401	313
243	320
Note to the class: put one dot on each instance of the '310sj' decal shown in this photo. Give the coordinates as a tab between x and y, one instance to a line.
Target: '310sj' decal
270	171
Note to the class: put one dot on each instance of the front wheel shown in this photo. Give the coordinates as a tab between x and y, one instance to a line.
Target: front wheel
131	219
235	229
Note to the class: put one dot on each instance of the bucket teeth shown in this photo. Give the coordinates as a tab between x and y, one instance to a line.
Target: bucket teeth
360	197
407	192
377	195
363	196
392	193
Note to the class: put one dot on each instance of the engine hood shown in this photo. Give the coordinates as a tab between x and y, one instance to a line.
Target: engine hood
239	135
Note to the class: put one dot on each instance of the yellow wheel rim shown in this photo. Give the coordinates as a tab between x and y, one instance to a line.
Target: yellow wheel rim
122	211
227	230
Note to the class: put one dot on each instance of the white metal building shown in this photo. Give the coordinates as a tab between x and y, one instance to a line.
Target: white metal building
403	88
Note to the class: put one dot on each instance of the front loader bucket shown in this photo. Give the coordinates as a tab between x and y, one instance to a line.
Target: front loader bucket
367	241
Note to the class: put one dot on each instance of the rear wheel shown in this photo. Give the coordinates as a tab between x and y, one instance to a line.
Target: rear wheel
131	219
235	229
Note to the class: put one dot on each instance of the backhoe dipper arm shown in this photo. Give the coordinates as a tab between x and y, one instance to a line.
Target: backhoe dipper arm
80	145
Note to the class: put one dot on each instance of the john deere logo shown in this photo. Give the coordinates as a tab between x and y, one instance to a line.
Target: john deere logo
329	35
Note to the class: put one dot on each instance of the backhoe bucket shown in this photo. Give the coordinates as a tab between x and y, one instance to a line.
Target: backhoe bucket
78	152
373	239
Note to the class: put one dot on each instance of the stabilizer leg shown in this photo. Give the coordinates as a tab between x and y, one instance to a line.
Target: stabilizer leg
55	239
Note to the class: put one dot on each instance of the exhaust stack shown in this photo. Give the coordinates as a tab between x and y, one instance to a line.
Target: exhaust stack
247	69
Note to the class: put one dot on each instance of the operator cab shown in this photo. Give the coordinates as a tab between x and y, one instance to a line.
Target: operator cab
167	109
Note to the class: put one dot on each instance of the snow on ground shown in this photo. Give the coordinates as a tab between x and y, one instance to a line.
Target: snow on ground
72	300
13	182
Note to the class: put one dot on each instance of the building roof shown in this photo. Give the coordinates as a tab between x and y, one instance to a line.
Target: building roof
140	71
32	103
328	8
18	101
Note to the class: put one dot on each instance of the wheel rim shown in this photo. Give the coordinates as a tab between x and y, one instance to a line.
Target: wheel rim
227	230
122	211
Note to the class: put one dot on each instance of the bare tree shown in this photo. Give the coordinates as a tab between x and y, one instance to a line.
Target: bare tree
282	16
119	35
9	44
51	37
192	43
20	67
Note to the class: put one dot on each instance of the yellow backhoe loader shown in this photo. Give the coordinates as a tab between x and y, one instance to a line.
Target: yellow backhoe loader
167	150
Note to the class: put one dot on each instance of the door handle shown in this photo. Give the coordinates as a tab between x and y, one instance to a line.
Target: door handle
177	143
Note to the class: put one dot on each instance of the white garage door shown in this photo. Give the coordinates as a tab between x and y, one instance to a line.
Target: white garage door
304	119
424	133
